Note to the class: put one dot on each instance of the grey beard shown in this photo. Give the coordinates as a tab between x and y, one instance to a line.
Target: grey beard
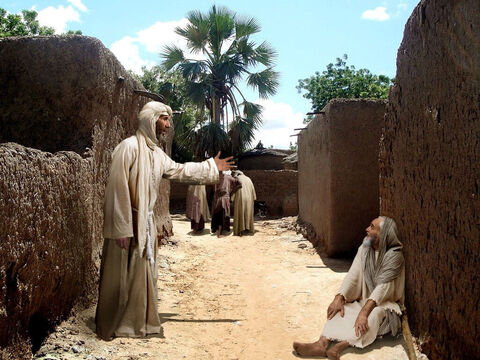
368	241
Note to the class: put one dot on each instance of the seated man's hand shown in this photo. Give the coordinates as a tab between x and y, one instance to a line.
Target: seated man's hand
361	324
336	306
122	242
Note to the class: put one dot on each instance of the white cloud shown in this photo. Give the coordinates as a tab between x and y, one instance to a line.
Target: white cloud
378	14
78	4
127	52
58	17
402	6
279	122
153	39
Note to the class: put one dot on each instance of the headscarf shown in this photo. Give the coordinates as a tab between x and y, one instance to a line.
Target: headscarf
147	141
388	265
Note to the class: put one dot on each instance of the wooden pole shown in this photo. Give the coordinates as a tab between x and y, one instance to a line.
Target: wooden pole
407	335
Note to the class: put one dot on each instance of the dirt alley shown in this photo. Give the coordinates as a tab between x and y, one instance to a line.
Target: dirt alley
244	297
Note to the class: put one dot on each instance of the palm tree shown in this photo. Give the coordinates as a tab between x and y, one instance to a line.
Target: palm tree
228	54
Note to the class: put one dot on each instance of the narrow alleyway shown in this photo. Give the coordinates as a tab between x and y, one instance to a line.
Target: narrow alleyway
230	298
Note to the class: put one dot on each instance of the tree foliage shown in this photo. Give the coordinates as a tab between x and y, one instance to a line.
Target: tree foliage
228	54
25	24
340	80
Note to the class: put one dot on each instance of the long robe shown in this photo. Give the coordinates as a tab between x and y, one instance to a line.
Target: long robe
243	206
387	296
226	187
127	304
197	206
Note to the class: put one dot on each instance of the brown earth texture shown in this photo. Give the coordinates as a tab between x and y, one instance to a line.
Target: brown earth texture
233	297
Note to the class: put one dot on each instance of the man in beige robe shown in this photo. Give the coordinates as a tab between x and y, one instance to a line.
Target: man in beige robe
367	304
197	207
243	205
127	303
225	188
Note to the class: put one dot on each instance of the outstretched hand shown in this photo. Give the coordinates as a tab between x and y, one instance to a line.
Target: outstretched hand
224	164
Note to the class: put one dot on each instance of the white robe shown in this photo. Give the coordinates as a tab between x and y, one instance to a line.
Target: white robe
243	206
127	304
354	288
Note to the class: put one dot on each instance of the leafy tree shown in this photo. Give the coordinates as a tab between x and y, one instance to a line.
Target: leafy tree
24	24
343	81
223	39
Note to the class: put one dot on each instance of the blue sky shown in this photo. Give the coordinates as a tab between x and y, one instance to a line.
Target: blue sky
307	34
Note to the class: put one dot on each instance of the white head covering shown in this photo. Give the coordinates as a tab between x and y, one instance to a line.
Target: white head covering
147	140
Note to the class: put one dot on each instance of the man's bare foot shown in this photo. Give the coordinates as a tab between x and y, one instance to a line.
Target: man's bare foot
334	352
318	348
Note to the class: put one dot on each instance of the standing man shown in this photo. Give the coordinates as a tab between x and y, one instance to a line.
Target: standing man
367	304
243	205
127	303
197	207
225	188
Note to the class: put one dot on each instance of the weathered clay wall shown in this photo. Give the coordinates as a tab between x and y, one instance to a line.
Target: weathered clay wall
57	93
430	173
338	172
262	162
278	188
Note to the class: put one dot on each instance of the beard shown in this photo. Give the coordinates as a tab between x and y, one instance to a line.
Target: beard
369	241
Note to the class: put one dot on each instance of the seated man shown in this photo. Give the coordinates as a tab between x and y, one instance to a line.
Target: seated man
367	304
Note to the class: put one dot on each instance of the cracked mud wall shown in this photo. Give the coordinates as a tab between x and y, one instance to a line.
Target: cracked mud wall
65	103
430	174
338	173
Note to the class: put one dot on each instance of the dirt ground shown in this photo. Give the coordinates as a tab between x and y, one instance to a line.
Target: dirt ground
233	297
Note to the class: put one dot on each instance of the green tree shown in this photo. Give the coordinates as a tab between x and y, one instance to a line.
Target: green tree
343	81
224	40
24	24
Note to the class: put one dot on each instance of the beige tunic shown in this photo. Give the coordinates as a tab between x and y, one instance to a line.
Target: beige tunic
243	206
355	290
197	204
127	304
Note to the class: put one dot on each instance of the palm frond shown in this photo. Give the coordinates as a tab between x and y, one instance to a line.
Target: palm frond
265	81
265	54
173	56
245	27
254	112
192	70
222	27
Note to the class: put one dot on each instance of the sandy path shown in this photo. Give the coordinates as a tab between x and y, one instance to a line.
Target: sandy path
228	298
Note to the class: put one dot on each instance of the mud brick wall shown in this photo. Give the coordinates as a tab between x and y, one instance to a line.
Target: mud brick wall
66	102
338	173
430	174
278	188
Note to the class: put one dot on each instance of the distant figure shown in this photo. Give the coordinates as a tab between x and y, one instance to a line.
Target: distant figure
197	207
367	304
243	205
225	188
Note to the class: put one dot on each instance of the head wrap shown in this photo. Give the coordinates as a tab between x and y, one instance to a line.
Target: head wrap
388	265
